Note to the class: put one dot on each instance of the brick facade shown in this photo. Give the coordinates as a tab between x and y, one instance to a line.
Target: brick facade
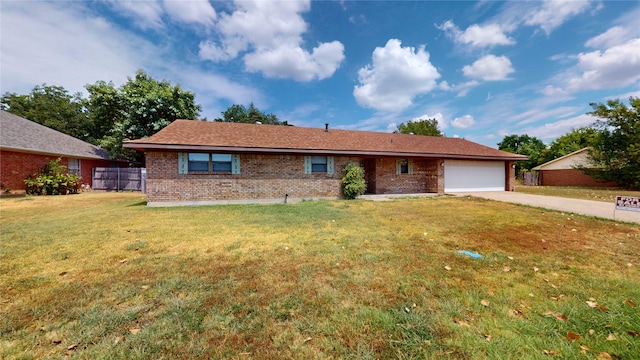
570	177
15	167
272	176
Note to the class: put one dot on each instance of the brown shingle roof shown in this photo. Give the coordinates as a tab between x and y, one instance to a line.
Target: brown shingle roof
20	134
218	136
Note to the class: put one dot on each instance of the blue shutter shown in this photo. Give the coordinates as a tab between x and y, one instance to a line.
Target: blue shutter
183	163
398	166
330	165
307	164
235	164
410	165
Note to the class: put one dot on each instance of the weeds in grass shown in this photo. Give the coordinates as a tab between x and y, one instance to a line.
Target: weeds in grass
94	276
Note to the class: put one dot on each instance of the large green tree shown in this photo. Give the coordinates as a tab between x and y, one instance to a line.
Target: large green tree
137	109
527	145
54	107
617	150
572	141
428	127
251	115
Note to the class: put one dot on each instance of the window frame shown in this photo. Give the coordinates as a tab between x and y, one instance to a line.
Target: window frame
323	165
230	166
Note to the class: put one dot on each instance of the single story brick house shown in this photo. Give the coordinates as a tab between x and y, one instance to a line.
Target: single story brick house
199	162
563	171
26	147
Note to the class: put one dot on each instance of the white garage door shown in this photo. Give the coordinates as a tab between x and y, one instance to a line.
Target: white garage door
466	175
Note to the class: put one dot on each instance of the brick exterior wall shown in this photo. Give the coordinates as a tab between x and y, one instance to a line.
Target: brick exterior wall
569	177
15	167
427	176
272	176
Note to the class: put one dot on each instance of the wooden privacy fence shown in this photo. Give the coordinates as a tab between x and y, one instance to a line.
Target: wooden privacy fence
119	179
531	178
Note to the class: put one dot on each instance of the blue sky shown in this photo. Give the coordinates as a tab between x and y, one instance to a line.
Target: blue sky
483	69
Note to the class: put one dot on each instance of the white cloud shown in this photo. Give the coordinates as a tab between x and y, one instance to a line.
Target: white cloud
442	123
463	122
553	13
148	14
554	91
489	68
559	128
397	75
271	36
296	63
479	36
626	28
192	11
62	45
617	66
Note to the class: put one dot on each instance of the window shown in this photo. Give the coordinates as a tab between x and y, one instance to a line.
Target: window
221	162
73	166
198	162
404	166
319	164
208	163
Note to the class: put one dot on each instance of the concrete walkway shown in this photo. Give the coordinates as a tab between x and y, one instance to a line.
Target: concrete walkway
577	206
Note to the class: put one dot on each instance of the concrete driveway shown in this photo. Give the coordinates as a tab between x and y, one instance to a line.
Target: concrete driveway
577	206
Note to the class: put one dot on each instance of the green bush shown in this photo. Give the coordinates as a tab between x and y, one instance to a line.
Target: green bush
353	183
53	180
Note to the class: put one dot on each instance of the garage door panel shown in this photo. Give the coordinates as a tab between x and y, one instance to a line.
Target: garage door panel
469	176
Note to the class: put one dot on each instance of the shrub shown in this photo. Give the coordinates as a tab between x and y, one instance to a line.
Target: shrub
353	183
52	180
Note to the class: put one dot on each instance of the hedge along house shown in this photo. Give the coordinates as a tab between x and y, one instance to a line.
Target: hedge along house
196	162
26	147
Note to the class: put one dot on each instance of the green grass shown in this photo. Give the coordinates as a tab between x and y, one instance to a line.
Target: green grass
102	276
576	192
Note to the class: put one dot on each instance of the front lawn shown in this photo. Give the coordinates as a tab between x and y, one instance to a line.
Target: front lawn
102	276
577	192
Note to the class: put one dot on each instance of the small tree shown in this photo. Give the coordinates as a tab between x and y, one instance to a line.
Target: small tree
52	180
353	183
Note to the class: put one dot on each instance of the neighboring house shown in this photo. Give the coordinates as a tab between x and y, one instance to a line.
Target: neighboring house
563	171
26	147
208	162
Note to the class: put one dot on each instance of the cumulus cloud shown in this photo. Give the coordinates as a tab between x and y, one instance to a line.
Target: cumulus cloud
478	36
271	36
463	122
397	75
148	14
489	68
617	66
553	13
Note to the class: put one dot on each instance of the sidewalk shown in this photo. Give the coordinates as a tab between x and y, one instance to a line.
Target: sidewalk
577	206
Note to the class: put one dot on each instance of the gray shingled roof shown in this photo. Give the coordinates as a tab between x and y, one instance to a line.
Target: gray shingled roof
20	134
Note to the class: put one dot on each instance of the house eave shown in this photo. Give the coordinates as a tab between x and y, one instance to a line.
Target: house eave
39	152
256	150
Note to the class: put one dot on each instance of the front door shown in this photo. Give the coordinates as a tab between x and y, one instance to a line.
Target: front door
370	175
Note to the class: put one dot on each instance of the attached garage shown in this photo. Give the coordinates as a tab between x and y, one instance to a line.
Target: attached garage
472	175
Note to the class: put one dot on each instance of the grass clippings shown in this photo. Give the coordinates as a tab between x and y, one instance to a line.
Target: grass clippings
103	276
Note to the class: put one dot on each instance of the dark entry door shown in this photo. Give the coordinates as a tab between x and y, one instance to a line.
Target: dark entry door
370	175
